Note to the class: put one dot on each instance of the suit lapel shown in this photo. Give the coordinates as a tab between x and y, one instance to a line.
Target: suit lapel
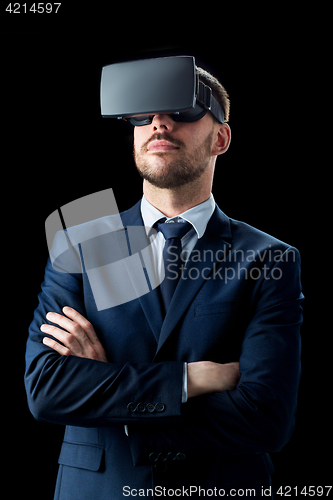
208	252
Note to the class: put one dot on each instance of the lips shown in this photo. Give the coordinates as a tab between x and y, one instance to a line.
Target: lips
161	146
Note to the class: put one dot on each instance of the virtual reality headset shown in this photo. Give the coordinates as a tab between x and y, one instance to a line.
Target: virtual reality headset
138	90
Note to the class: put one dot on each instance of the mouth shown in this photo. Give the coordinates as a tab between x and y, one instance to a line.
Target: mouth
159	146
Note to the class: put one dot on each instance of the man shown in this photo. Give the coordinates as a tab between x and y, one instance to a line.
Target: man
182	391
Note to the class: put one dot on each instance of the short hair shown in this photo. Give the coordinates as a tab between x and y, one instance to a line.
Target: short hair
218	91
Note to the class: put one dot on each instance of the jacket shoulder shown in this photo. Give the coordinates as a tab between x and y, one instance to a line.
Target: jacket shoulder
251	237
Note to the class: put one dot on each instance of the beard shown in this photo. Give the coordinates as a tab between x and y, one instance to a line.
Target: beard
177	172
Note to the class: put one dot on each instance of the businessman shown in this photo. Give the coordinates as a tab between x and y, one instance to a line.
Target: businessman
185	390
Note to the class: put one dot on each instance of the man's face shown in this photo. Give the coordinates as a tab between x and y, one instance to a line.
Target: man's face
170	154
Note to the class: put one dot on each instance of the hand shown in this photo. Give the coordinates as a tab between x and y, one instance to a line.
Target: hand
79	338
204	377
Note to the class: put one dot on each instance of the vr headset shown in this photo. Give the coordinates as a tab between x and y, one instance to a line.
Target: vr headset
138	90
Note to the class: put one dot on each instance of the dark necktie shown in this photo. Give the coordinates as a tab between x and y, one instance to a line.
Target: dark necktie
173	232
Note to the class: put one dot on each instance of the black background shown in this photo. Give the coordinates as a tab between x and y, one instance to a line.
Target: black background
56	148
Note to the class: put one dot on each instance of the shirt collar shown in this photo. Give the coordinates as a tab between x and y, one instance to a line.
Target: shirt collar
198	216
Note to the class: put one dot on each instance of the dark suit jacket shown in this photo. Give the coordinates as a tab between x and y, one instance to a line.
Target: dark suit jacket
239	299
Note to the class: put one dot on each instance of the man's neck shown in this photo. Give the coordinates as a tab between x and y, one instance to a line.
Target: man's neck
172	202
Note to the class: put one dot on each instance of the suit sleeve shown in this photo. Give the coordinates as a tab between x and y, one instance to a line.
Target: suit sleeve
257	416
76	391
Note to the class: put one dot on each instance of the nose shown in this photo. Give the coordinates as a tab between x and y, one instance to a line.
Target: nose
162	122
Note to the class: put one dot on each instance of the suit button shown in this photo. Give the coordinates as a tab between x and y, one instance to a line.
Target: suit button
150	407
180	456
153	457
159	407
141	407
131	407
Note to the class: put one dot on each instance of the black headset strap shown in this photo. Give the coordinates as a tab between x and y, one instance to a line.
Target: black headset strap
206	98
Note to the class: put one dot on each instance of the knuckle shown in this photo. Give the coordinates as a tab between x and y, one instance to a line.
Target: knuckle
87	325
70	340
54	344
76	329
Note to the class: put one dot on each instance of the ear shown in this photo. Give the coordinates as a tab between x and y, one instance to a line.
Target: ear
222	139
